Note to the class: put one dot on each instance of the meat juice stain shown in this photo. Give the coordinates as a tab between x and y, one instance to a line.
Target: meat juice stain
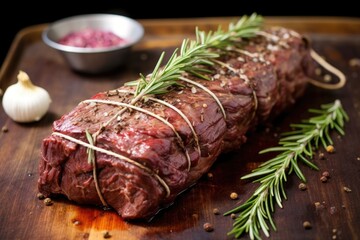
84	219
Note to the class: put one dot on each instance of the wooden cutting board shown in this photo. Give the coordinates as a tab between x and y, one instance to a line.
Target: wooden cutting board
23	216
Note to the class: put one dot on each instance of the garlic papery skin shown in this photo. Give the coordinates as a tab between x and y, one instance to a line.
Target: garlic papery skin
25	102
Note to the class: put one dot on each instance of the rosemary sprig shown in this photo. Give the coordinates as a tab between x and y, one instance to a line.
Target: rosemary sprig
89	151
194	55
295	146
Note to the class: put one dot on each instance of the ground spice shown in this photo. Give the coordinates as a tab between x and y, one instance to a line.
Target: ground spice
76	222
210	175
332	210
193	90
321	156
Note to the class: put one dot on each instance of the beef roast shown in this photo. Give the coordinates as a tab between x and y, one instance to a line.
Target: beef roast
142	163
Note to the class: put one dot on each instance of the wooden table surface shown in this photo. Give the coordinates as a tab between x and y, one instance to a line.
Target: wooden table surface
23	216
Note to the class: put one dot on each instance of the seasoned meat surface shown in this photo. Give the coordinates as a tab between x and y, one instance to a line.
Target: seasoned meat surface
151	162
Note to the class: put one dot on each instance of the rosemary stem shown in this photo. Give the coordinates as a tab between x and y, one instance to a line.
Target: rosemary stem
297	145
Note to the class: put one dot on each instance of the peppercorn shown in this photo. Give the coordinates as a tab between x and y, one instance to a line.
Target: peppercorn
307	225
234	195
40	196
48	202
302	186
327	78
106	234
233	215
321	156
4	129
330	149
326	174
208	227
216	211
323	179
318	206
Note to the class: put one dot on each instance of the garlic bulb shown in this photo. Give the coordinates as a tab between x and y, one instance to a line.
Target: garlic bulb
25	102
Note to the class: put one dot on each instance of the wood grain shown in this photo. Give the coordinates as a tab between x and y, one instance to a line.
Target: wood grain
23	216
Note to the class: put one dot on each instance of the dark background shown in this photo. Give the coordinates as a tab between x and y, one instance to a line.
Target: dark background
14	18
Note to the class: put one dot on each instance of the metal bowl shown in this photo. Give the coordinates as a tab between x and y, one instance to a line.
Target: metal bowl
94	60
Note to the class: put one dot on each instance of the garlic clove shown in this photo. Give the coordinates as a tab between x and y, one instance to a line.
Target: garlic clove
25	102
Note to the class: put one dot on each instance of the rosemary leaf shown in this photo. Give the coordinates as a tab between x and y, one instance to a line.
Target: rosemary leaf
257	173
89	151
256	212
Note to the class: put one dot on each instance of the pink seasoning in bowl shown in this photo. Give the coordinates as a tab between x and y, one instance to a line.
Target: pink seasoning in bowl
91	38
